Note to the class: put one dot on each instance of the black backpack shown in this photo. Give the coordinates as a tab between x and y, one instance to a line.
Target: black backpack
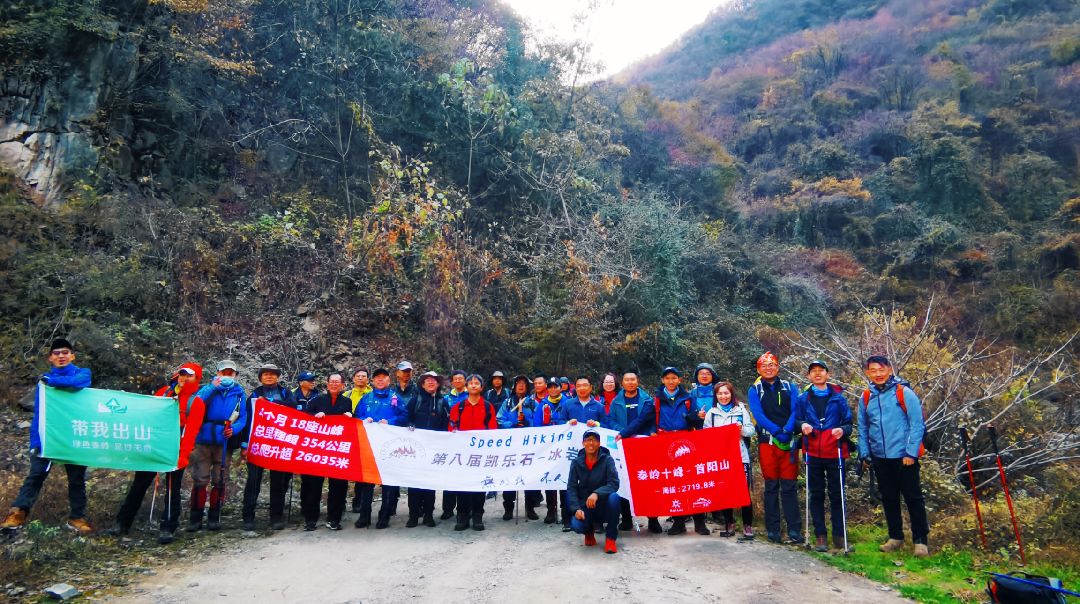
1022	588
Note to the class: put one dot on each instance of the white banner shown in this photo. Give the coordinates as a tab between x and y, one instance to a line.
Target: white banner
485	460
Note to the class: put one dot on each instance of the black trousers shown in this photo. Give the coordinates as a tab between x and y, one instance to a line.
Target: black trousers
140	483
449	501
532	499
279	487
470	506
748	509
387	508
824	475
311	496
421	502
896	480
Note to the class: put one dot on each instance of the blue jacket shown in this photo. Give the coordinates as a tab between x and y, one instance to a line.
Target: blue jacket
821	443
69	377
278	394
676	413
884	429
538	414
383	404
766	417
703	395
573	409
602	479
508	413
220	404
615	418
632	405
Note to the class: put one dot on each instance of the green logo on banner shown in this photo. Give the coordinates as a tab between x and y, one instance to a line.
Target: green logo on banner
109	429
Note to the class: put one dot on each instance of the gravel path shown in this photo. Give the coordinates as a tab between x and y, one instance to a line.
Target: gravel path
526	562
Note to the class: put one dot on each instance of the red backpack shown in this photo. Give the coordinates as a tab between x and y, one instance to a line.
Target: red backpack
903	407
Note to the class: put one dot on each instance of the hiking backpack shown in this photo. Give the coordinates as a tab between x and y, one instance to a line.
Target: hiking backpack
903	407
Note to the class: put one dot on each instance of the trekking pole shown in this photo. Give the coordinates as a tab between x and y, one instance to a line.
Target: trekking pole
843	501
806	522
971	479
288	517
153	500
1008	497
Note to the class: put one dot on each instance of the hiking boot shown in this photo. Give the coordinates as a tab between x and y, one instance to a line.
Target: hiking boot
530	513
446	515
213	525
334	526
117	530
921	551
249	525
382	523
508	512
699	526
795	539
194	526
822	545
609	546
654	526
362	522
165	537
429	520
626	525
412	522
775	538
566	528
213	519
478	525
838	542
891	545
80	526
309	526
16	517
747	533
461	525
590	539
277	524
550	518
678	527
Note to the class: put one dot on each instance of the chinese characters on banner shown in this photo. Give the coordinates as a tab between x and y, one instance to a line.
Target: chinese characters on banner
109	429
677	473
480	460
288	440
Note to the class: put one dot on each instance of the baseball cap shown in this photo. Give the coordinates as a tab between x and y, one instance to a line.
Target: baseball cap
306	376
404	366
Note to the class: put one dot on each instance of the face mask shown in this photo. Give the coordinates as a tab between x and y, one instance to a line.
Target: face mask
227	381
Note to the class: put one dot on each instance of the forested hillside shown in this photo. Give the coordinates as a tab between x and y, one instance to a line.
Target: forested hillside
331	183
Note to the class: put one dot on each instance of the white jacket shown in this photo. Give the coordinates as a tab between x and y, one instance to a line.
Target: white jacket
736	414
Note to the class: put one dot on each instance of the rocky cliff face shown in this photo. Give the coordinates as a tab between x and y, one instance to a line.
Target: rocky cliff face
52	131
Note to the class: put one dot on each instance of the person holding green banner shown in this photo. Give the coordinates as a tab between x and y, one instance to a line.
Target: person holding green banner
63	374
183	387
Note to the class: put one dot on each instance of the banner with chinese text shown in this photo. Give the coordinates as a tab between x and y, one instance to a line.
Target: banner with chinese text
481	460
678	473
109	429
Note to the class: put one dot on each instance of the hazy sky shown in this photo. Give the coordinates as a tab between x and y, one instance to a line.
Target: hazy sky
621	31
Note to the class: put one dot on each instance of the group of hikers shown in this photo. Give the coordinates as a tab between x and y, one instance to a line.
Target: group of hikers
215	421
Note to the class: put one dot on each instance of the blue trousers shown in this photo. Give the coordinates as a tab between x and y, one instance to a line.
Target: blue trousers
606	512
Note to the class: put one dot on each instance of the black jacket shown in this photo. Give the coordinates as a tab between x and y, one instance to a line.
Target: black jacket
323	404
602	479
429	412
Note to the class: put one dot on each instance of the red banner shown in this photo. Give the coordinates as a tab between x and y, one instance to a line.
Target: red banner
288	440
679	473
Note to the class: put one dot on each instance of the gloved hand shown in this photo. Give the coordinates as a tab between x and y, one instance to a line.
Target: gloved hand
45	379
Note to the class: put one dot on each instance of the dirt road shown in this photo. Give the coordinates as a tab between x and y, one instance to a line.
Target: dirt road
527	562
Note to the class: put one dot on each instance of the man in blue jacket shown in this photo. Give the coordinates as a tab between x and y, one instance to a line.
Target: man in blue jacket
517	412
270	389
382	405
824	418
772	403
702	393
592	493
624	409
583	408
62	374
427	412
891	430
670	410
226	414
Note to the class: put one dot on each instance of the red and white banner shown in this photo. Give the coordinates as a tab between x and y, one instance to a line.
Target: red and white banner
678	473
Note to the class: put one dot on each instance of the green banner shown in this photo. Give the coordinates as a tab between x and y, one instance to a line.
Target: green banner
109	429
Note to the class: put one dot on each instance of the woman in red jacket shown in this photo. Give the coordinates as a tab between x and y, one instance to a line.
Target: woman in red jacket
182	387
